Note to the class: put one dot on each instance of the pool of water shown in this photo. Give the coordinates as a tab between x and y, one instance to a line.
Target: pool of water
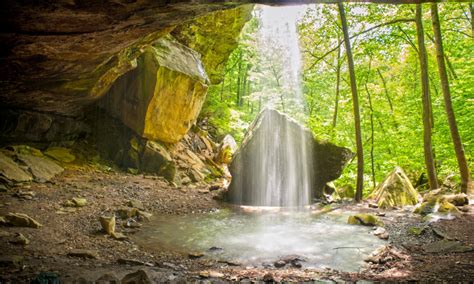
260	237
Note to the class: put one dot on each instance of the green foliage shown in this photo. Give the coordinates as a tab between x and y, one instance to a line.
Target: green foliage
387	69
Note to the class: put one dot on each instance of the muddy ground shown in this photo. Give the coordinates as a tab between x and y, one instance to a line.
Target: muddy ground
66	229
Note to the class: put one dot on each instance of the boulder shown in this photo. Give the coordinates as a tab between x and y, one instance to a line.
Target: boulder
161	98
226	150
156	159
139	276
60	154
43	169
214	36
364	219
278	154
22	220
346	191
395	190
11	172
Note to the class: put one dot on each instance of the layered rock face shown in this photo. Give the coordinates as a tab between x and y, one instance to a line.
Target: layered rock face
161	98
280	164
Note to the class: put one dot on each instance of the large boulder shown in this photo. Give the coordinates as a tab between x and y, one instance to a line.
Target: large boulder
11	172
281	164
215	36
395	190
162	97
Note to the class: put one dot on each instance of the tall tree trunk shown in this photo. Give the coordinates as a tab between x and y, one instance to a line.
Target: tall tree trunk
458	147
222	89
425	87
237	101
244	87
389	100
355	103
338	82
371	136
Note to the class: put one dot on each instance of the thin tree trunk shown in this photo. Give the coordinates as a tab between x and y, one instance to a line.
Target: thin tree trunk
389	100
355	103
338	83
237	101
222	89
458	147
429	160
244	87
471	8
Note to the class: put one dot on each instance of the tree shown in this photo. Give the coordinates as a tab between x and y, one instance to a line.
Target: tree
426	99
355	104
458	147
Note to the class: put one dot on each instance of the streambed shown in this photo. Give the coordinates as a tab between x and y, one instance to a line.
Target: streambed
261	237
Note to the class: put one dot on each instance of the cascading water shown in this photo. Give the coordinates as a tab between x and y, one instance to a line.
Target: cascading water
279	165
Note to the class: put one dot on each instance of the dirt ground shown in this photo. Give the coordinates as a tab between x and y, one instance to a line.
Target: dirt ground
66	229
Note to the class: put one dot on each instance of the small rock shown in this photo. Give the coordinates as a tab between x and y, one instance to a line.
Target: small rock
215	249
108	224
142	215
84	253
3	188
364	219
195	255
138	277
28	195
3	221
4	234
214	187
69	203
296	264
268	277
381	233
118	236
203	191
204	274
125	213
136	204
22	220
373	205
380	214
107	279
20	239
79	202
279	263
125	261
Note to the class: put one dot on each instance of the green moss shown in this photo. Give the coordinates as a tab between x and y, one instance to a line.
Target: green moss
364	219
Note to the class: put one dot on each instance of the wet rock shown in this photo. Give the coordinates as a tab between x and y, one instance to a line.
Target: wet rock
446	246
279	263
84	253
136	204
195	255
364	219
325	160
11	260
142	215
107	279
20	239
215	249
449	208
11	172
426	207
108	224
226	150
395	190
138	277
27	195
43	169
296	264
79	202
373	205
60	154
381	233
47	277
21	220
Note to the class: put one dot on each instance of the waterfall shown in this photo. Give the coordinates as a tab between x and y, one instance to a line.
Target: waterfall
276	166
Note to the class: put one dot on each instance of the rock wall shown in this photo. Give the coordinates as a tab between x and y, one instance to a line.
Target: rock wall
162	97
214	36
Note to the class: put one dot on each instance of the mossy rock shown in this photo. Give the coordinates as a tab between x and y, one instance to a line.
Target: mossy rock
60	154
346	191
427	207
447	207
396	190
364	219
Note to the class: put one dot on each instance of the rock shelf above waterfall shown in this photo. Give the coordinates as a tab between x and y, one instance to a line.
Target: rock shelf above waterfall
280	163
